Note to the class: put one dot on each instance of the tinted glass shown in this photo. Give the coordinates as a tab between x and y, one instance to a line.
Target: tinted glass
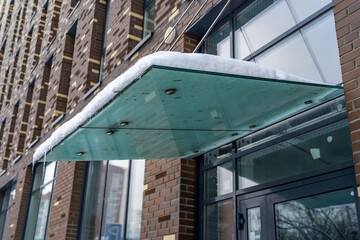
43	212
302	9
219	223
218	154
254	223
319	149
91	220
326	216
219	180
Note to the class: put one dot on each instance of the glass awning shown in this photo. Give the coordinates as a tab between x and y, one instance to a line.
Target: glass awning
177	112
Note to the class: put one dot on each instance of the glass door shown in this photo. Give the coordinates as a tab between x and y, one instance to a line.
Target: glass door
309	209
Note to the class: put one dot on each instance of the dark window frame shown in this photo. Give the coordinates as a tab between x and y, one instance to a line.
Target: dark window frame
7	187
277	185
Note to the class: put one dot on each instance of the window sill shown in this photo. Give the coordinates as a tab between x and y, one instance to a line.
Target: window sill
138	46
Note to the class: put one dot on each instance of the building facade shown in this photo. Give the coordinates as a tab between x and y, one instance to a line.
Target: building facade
296	178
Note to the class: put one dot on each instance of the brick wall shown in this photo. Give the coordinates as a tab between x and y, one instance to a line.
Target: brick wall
347	23
169	199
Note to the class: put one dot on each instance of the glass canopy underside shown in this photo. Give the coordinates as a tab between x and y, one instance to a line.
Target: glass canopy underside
206	111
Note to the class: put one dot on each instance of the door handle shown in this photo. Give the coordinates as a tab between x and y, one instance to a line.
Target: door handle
240	221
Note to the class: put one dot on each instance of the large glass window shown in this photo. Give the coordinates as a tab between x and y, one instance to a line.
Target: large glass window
6	204
113	200
291	35
40	201
305	146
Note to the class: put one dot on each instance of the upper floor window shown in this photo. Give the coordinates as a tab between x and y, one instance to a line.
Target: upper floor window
295	36
40	201
6	204
149	17
113	199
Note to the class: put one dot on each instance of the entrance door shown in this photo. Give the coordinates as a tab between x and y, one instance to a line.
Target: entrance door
308	209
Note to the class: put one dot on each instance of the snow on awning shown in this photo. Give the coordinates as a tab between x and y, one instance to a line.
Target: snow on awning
175	105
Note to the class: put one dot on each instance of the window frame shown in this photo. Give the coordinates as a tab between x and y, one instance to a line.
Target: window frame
280	184
42	186
231	19
7	187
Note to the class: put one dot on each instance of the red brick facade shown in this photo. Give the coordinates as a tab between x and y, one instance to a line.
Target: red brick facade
347	22
35	92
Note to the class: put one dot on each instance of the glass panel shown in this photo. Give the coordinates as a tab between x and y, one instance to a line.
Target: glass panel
319	149
218	154
219	223
241	47
33	211
219	42
305	8
7	202
254	223
190	121
325	216
135	199
49	172
219	180
115	199
42	215
268	25
291	55
149	19
320	38
91	219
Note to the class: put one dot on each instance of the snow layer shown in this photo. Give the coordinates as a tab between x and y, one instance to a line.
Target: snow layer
194	61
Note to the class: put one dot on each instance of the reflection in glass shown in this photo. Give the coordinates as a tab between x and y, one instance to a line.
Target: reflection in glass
219	223
115	199
91	221
149	19
43	212
219	42
135	199
254	223
219	180
298	155
327	216
40	201
322	42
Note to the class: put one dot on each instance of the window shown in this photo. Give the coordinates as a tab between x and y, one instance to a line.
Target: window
266	167
6	204
40	201
149	17
291	35
112	205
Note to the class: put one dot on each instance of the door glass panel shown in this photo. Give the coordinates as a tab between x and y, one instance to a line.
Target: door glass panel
325	216
43	212
318	149
219	220
254	223
219	180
